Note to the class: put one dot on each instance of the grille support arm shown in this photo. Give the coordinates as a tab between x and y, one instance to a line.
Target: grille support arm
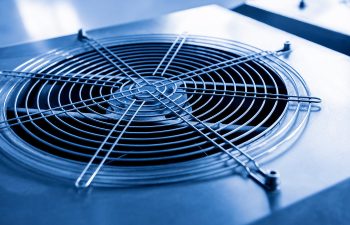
247	166
253	95
90	171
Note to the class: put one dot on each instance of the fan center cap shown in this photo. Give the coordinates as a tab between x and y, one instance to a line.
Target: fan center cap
147	92
149	88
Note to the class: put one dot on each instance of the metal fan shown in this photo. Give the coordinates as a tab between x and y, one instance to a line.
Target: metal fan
152	109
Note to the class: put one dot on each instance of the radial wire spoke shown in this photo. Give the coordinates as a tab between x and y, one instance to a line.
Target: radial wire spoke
90	171
223	65
181	37
63	110
88	79
249	165
254	95
93	42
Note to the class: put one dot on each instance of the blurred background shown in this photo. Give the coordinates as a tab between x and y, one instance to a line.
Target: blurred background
30	20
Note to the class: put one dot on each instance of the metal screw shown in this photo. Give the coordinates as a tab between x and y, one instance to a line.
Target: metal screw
286	46
82	35
302	4
272	180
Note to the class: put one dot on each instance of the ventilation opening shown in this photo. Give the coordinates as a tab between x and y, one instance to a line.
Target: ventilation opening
218	98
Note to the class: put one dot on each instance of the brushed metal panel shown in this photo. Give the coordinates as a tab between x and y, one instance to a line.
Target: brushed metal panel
316	161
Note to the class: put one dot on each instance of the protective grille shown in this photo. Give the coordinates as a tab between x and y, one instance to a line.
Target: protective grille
146	107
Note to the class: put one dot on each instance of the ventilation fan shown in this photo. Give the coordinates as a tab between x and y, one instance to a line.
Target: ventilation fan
153	109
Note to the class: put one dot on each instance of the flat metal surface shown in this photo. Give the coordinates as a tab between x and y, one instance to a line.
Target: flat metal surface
32	20
323	22
316	161
330	14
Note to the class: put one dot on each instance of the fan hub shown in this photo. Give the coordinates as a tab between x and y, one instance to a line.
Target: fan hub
147	93
151	87
153	90
148	88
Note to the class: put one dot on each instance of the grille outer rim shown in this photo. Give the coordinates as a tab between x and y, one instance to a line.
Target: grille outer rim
57	168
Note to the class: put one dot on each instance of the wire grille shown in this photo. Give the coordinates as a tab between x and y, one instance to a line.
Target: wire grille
77	102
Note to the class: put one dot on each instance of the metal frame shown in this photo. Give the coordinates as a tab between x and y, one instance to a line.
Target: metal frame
139	92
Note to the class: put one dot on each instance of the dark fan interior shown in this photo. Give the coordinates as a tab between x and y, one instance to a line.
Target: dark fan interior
148	142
